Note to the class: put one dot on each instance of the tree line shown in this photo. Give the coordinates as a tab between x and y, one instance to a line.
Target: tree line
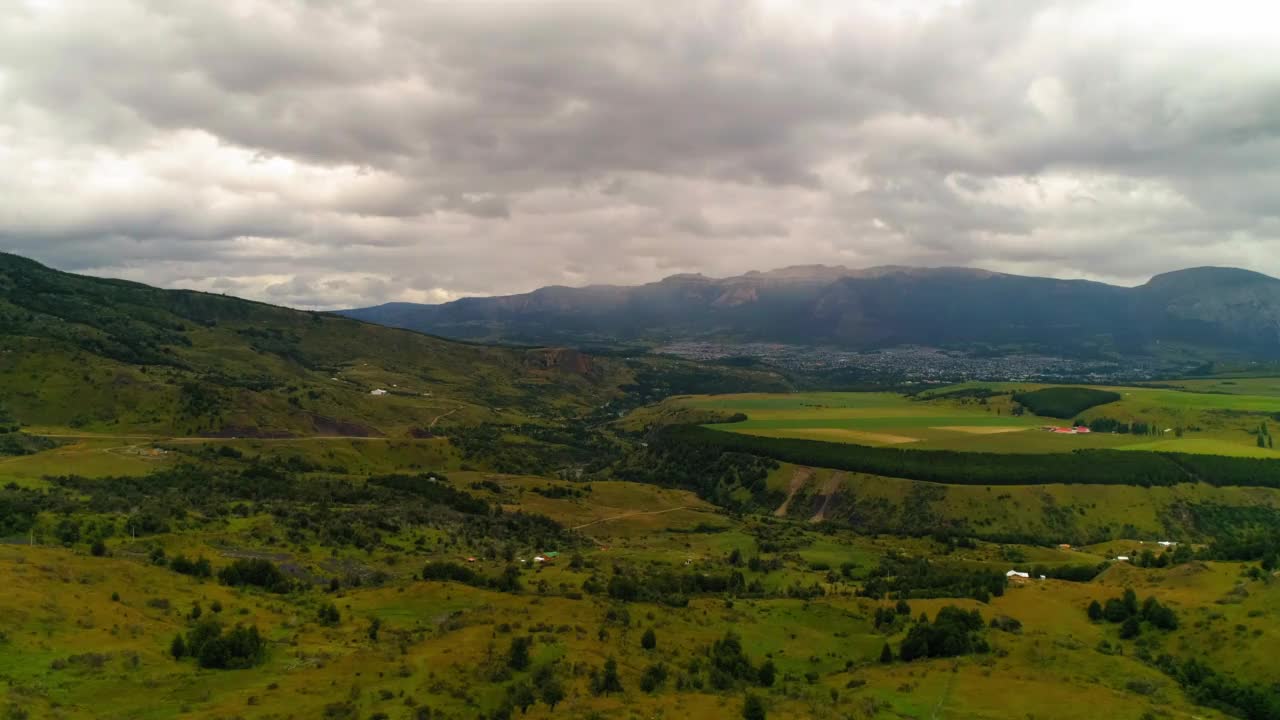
1084	467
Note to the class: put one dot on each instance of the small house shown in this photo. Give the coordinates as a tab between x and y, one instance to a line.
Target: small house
539	559
379	392
1015	574
1064	546
1122	558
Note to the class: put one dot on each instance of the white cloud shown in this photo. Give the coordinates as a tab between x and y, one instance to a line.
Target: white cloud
347	153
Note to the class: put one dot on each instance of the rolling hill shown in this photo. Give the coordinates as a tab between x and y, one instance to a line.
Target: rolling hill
1219	309
88	354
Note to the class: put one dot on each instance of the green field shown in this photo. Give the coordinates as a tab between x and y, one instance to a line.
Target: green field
1183	421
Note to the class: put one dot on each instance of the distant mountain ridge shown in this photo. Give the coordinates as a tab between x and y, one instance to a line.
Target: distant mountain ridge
1215	308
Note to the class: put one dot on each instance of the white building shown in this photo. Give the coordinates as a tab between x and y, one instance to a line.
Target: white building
1015	573
379	392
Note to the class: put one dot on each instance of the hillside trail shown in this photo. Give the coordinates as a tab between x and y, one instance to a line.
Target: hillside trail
438	418
799	479
624	516
128	445
946	695
202	439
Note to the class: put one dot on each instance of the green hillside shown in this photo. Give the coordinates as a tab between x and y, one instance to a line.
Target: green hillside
90	355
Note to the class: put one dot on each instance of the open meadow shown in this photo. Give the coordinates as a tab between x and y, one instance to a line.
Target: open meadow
984	417
85	636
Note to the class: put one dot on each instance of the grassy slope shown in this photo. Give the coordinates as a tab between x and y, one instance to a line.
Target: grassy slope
111	357
1069	513
436	634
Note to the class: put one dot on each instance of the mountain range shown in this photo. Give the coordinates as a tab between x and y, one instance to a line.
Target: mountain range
1219	309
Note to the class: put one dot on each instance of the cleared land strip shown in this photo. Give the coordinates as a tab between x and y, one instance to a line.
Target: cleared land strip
829	490
799	479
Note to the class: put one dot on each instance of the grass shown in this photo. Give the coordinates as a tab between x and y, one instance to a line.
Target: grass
1068	513
1219	424
435	637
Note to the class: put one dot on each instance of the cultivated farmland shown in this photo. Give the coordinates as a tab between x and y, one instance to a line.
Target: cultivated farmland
986	418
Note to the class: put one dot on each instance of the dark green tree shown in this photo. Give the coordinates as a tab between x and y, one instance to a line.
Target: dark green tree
649	640
886	654
1130	601
329	615
1131	628
522	696
178	648
1115	611
1095	611
518	654
768	673
607	681
551	690
753	708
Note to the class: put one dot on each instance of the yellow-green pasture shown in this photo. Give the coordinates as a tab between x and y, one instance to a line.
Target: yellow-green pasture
70	651
1193	422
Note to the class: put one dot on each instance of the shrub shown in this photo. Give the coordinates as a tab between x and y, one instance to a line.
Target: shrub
606	681
767	674
241	647
518	654
1095	611
329	615
653	678
953	632
255	572
196	568
1006	624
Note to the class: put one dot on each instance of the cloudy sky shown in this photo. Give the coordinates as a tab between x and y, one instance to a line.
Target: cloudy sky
330	153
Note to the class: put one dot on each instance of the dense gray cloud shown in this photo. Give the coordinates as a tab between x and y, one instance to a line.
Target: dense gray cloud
327	153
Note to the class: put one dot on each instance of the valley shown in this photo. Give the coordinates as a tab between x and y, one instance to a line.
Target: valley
207	511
